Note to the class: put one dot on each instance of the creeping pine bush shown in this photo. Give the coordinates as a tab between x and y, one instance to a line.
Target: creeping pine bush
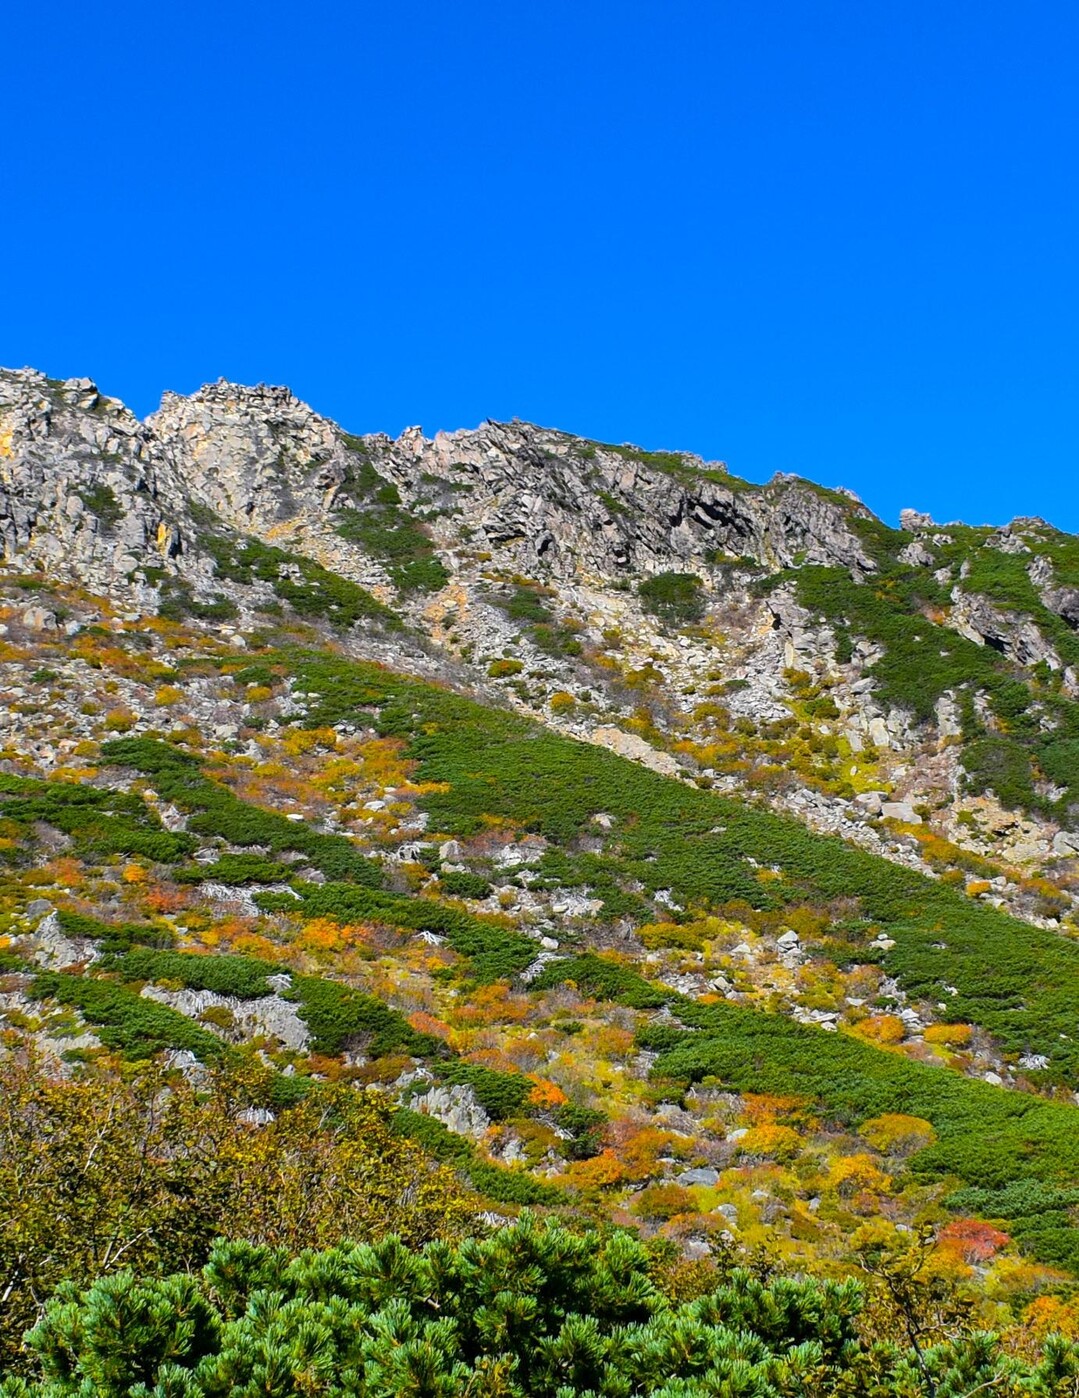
123	1020
532	1311
461	884
336	1015
673	597
500	1184
375	518
100	822
339	1016
923	660
494	953
311	590
986	1136
217	811
1018	981
115	936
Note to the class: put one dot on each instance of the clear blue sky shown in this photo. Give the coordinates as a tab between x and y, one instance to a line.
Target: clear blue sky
837	237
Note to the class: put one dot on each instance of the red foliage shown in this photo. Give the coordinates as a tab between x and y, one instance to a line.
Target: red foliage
972	1239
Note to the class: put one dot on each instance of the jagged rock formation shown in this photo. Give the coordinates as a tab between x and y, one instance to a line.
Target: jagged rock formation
87	491
266	462
437	533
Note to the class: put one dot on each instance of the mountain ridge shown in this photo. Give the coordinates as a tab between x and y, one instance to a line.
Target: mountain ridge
404	522
659	844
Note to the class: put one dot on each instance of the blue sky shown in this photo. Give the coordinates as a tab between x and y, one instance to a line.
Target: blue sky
828	237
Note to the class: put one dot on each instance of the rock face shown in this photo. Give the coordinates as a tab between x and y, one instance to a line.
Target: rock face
1014	635
87	492
268	464
256	456
574	505
455	1107
162	515
90	493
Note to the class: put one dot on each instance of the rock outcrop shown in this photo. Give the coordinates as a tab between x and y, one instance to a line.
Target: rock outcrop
268	464
88	492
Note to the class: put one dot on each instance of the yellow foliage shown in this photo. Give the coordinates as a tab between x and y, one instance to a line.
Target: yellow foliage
894	1131
297	742
252	944
882	1029
687	936
777	1142
168	694
562	703
954	1035
384	761
850	1174
134	873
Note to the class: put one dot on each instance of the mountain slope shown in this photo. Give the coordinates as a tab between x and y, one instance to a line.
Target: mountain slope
668	848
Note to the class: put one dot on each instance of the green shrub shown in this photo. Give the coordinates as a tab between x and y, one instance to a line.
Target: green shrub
531	1309
674	597
100	499
236	870
375	519
464	885
316	592
501	1095
340	1017
217	811
101	822
134	1027
1015	980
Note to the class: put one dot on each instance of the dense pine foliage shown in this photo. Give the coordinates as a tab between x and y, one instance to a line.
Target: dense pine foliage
532	1311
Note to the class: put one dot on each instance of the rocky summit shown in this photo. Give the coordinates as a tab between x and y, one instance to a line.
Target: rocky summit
509	821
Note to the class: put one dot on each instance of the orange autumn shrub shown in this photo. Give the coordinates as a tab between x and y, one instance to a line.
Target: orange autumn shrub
1053	1315
425	1023
762	1107
883	1030
66	871
166	900
611	1041
640	1147
493	1003
546	1095
601	1172
494	1058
